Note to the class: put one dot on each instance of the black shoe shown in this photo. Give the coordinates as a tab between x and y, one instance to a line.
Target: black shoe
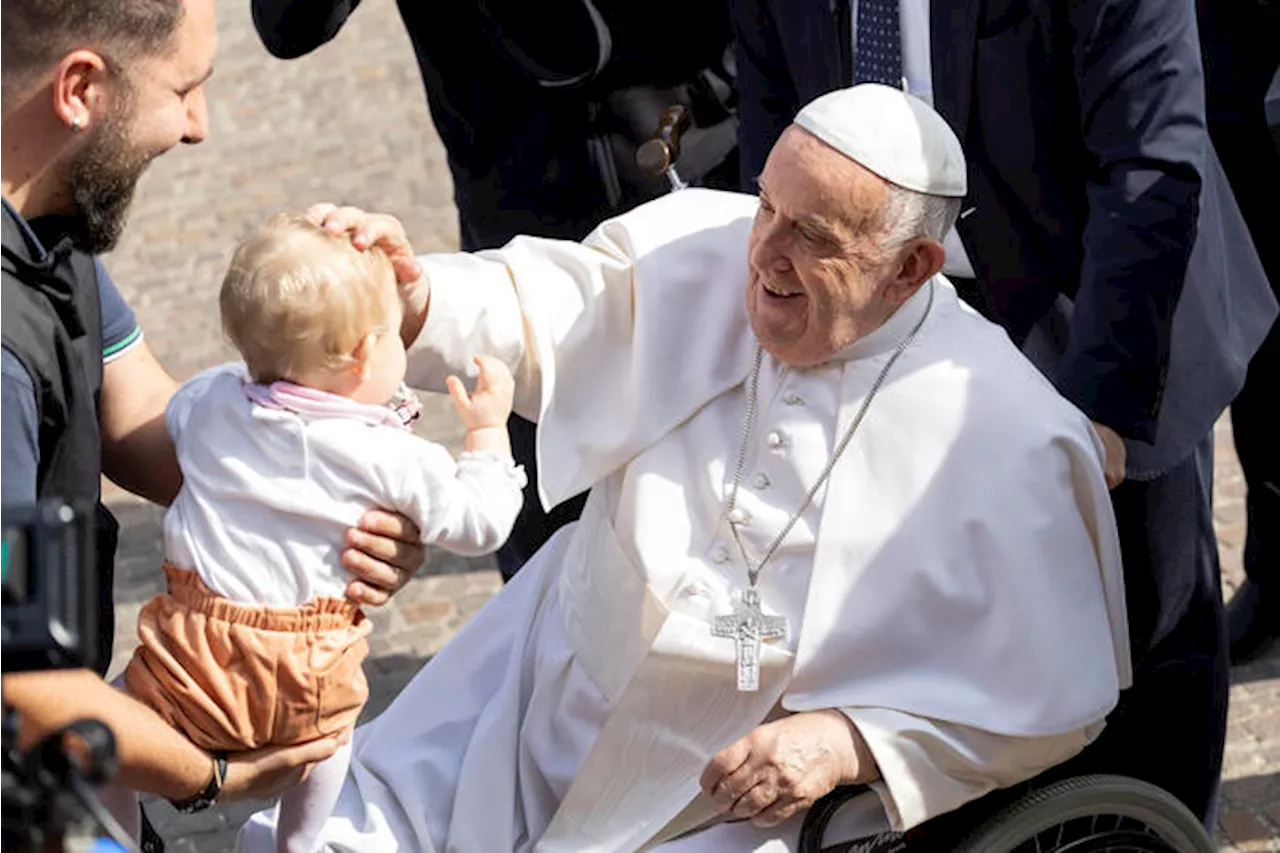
1253	623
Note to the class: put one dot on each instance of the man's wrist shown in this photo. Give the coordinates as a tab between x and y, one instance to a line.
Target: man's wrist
209	792
416	300
863	768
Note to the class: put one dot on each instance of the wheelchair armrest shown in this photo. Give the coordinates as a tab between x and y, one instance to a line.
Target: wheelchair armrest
820	814
938	833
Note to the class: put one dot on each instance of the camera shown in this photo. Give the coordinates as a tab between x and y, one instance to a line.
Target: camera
48	587
49	614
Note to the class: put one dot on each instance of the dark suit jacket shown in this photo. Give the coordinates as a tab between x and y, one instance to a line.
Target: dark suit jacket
1083	124
1240	41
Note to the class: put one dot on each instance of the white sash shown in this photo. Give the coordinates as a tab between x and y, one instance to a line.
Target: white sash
674	694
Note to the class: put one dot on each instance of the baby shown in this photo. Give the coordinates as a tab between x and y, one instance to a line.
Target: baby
254	643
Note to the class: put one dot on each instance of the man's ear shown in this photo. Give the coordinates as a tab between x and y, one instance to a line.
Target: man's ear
919	260
80	89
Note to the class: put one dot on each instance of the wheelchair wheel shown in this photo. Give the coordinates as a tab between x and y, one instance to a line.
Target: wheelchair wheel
1092	814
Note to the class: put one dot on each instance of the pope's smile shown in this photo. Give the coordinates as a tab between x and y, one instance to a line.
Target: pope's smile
777	291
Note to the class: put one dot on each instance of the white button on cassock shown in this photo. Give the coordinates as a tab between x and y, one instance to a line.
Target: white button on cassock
738	515
761	481
720	554
696	590
773	439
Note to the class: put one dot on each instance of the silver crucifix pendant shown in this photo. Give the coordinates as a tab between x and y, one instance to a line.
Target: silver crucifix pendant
747	626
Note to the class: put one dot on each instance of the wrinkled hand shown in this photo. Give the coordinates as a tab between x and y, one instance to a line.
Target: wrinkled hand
1113	444
786	766
489	405
267	772
385	232
384	551
370	229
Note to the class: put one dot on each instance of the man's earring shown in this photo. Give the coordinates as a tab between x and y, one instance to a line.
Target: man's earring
76	124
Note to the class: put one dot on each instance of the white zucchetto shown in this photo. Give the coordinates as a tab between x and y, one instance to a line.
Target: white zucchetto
895	135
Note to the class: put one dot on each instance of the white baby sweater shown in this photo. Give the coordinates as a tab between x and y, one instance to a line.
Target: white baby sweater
268	494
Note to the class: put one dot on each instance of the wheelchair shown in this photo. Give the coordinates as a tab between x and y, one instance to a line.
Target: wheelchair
1084	814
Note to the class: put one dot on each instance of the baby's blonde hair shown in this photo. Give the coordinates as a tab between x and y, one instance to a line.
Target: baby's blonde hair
297	298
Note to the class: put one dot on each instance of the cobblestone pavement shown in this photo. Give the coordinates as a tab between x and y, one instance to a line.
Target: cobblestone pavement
1250	819
349	124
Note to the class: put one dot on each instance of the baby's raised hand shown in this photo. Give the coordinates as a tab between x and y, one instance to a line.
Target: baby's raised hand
490	404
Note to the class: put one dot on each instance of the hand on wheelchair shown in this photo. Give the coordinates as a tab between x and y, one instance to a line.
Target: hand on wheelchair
787	765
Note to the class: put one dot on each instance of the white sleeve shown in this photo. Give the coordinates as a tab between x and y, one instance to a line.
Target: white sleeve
484	303
467	507
929	767
184	399
600	334
473	310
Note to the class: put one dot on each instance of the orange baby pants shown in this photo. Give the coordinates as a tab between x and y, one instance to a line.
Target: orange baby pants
233	677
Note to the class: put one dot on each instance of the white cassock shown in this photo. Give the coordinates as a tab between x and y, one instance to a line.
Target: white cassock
955	589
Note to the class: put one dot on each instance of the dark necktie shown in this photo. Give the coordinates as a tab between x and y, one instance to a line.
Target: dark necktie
877	57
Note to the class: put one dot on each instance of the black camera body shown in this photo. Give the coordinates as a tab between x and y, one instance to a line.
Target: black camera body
49	614
49	587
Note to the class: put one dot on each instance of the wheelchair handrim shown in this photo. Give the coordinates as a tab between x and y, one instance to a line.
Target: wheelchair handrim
1090	797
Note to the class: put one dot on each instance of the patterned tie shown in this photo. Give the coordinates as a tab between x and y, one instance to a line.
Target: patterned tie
878	56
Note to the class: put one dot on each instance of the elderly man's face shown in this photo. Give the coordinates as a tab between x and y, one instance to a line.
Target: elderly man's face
818	270
158	104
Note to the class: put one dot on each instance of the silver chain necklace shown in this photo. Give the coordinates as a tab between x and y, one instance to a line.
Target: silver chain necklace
747	626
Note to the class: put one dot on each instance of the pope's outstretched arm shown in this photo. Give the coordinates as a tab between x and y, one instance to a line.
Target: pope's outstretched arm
601	336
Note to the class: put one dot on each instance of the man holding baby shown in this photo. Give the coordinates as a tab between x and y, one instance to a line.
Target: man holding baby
93	91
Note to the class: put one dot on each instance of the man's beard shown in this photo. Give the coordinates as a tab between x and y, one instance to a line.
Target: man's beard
102	178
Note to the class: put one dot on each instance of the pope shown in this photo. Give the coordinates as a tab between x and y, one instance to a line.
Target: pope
840	530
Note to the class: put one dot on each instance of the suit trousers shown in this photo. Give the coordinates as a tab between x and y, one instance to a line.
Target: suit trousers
1252	163
1170	726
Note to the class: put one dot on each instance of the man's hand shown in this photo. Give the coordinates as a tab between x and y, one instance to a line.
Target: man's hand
384	551
787	765
267	772
1113	444
385	232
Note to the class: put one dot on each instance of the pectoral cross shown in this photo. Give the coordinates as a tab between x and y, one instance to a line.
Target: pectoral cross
747	626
